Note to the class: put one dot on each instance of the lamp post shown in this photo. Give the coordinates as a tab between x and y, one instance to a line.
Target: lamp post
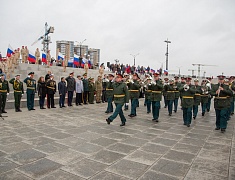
167	42
134	56
179	69
80	44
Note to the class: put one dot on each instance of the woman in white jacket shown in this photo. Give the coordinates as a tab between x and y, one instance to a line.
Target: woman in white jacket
79	90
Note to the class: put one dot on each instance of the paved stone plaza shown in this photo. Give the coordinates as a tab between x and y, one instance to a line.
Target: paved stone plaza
76	143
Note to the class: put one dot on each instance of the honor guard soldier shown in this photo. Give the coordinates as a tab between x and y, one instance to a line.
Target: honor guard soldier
134	87
197	97
170	95
148	93
204	95
187	92
177	93
126	79
164	92
91	90
51	90
232	85
18	91
221	91
156	96
4	91
229	98
109	93
31	90
120	97
209	99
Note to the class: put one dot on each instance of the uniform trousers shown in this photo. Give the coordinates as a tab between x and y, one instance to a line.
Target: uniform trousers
70	98
175	102
208	106
110	104
204	107
170	106
155	109
148	104
3	99
62	99
187	115
195	110
118	111
78	98
41	101
30	100
50	100
134	103
17	96
221	118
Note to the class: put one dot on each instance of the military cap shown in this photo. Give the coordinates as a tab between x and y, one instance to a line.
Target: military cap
221	77
155	74
166	79
176	77
119	75
85	74
135	74
171	80
204	80
232	77
182	78
31	73
78	76
91	78
188	78
196	80
51	75
17	75
111	75
71	73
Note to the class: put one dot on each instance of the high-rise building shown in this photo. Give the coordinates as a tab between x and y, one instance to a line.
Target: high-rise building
61	47
83	48
94	56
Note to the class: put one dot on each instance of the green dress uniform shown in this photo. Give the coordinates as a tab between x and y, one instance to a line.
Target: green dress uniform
31	90
91	90
18	91
85	91
177	95
156	97
232	103
109	96
4	89
120	97
170	96
197	100
134	96
51	90
187	103
221	104
205	98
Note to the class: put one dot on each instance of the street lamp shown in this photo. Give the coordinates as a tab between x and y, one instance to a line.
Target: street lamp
179	69
80	44
134	57
167	42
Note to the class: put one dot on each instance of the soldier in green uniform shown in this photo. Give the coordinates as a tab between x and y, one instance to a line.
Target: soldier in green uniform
120	97
187	92
156	96
197	97
221	91
204	95
182	83
134	87
209	99
91	90
18	91
177	93
164	92
232	85
170	95
31	90
148	93
4	91
109	93
85	88
229	99
51	90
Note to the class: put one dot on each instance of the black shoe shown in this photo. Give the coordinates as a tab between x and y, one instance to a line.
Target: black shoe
80	104
208	110
175	111
19	110
43	108
131	115
16	110
188	125
185	124
63	106
223	130
165	106
194	117
33	109
148	112
108	121
60	106
106	112
156	120
53	107
203	113
232	113
3	111
217	128
76	104
145	105
169	114
123	124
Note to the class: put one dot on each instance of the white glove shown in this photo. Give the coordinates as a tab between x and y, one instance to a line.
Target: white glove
22	94
127	104
7	93
29	76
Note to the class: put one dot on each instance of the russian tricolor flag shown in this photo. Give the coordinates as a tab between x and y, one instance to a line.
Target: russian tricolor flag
44	58
9	51
165	72
152	71
31	58
76	60
60	56
89	63
83	62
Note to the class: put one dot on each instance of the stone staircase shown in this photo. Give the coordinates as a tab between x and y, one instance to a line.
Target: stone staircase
41	70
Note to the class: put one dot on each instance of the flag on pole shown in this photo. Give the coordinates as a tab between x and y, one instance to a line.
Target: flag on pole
60	56
89	63
76	60
9	51
152	70
83	62
166	72
44	58
31	58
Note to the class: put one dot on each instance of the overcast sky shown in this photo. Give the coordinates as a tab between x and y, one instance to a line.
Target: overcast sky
201	31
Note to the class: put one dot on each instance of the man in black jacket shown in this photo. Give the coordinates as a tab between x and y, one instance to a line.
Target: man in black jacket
71	85
62	92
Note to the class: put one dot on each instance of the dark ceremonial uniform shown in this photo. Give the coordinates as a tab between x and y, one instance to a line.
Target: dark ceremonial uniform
85	90
148	94
197	100
4	89
109	96
91	90
177	95
170	96
51	90
18	91
31	90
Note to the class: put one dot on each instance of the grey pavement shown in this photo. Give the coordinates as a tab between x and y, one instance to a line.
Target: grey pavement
76	143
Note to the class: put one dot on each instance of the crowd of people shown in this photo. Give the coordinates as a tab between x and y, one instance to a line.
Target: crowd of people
122	89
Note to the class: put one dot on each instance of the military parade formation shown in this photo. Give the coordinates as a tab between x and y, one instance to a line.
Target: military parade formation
124	88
